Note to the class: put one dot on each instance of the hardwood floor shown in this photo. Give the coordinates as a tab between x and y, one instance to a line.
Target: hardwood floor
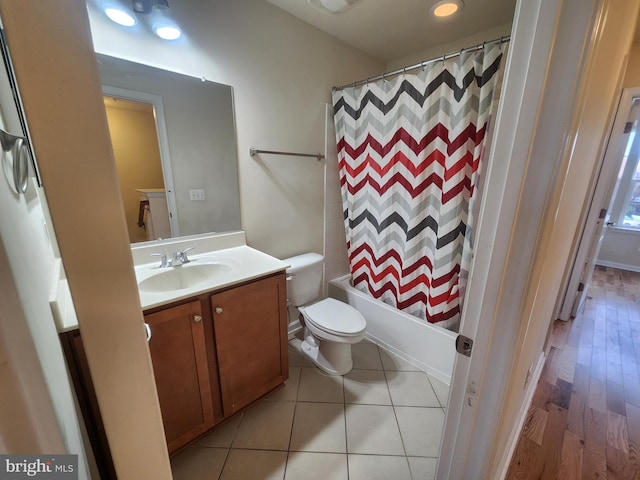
584	421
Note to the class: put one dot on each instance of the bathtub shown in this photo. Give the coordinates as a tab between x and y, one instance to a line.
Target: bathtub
428	347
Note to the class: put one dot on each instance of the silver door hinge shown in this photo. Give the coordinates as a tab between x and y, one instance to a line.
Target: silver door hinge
628	127
464	345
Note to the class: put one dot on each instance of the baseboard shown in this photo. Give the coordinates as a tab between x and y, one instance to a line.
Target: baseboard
619	266
521	418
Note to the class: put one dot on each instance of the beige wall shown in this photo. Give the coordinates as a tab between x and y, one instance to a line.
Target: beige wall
137	159
451	47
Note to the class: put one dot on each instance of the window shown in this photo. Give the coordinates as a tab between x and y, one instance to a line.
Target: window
625	204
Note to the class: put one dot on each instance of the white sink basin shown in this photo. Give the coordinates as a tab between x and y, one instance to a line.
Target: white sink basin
185	276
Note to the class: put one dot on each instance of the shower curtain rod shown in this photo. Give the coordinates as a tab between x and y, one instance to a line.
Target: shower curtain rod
447	56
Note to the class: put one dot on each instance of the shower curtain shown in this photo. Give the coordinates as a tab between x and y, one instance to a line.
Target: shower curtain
409	155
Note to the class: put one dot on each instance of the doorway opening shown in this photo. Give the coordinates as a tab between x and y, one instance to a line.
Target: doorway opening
135	148
141	150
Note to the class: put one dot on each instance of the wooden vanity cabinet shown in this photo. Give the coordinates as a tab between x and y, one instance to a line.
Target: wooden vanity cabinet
251	334
178	350
213	355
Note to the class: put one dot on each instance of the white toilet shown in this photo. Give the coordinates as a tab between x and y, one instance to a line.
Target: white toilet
331	327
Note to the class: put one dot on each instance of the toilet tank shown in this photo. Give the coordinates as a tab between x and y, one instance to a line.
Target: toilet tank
304	278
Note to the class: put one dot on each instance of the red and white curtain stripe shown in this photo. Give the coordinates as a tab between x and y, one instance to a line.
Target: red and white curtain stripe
409	153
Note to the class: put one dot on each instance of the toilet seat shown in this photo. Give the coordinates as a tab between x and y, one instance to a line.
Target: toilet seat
335	318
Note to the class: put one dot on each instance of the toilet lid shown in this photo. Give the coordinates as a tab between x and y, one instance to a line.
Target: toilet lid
332	315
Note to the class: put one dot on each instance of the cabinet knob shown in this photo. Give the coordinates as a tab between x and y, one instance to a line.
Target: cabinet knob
219	310
197	318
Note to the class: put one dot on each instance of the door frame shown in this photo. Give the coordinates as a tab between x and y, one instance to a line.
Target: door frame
525	177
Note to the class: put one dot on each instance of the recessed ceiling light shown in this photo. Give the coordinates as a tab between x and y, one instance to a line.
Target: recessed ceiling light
332	7
445	8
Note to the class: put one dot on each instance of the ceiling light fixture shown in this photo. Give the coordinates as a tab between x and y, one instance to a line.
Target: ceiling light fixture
446	8
163	24
332	7
118	13
157	13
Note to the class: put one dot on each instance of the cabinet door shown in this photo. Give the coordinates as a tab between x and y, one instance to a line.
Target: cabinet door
178	353
250	326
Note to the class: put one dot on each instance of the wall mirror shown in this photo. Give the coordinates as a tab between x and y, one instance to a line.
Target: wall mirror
174	142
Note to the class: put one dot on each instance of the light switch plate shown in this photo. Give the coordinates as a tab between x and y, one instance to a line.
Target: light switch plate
197	194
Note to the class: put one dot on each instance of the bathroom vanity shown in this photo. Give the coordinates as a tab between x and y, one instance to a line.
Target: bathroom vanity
217	334
216	353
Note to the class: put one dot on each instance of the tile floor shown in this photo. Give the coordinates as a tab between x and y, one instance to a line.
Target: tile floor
383	420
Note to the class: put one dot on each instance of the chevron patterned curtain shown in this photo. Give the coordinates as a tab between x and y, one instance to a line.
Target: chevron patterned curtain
409	153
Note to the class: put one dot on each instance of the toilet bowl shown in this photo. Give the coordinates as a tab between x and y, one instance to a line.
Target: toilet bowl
331	326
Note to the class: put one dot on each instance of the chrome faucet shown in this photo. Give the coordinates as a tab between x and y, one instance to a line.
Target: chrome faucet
180	258
177	258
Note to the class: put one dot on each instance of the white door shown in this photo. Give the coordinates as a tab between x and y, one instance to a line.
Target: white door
550	45
623	142
531	39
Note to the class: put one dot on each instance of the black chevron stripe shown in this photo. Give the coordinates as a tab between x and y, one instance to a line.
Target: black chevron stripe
406	87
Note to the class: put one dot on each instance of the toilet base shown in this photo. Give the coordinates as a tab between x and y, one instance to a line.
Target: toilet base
330	357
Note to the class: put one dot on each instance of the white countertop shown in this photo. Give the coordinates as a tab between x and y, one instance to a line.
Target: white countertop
230	248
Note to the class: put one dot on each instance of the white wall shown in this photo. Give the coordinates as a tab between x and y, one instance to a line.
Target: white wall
282	71
28	420
620	249
32	264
